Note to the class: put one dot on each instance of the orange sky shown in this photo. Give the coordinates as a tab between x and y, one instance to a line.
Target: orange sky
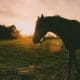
23	13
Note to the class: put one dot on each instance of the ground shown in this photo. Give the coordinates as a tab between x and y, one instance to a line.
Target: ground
22	60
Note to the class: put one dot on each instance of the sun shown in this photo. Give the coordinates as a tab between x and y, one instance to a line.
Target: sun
25	28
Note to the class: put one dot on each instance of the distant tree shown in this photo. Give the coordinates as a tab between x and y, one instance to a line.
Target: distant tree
3	31
14	33
9	32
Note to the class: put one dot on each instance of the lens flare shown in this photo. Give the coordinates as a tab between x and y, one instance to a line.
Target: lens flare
55	45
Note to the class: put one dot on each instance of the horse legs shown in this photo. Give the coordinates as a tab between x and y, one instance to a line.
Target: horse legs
72	58
69	65
75	62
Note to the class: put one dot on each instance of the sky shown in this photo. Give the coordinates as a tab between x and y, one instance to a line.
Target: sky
24	13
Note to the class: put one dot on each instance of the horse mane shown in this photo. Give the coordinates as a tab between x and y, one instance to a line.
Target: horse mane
58	17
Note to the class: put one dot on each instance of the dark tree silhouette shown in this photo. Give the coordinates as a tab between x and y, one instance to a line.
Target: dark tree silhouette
14	32
9	32
67	30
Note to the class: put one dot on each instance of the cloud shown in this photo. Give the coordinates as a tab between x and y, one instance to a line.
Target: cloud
31	8
28	10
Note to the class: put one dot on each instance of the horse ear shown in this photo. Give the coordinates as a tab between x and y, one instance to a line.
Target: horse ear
42	16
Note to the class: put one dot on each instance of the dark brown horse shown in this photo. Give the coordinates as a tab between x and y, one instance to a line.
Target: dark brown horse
67	30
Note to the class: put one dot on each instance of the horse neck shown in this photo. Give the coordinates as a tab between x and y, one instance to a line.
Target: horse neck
57	30
56	27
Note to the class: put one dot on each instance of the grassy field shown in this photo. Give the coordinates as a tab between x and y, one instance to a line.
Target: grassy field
22	60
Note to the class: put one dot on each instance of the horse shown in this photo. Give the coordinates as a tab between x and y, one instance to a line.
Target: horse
67	29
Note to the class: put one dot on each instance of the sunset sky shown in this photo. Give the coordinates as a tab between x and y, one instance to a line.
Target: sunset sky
23	13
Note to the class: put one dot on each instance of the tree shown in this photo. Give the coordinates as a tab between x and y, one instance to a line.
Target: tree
9	32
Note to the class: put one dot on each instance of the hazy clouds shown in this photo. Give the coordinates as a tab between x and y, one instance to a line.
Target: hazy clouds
27	11
31	8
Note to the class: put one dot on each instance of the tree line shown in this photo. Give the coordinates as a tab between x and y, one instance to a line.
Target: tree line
9	32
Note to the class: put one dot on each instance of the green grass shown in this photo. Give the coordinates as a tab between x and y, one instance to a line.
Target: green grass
22	60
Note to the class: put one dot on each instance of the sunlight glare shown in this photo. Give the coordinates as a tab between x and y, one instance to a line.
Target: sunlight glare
25	28
55	45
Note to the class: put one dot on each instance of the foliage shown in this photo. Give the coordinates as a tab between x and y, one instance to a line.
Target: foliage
9	32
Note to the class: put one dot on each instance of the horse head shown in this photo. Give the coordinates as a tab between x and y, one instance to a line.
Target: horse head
40	30
44	25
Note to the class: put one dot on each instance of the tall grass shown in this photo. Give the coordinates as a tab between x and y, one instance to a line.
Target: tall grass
22	60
